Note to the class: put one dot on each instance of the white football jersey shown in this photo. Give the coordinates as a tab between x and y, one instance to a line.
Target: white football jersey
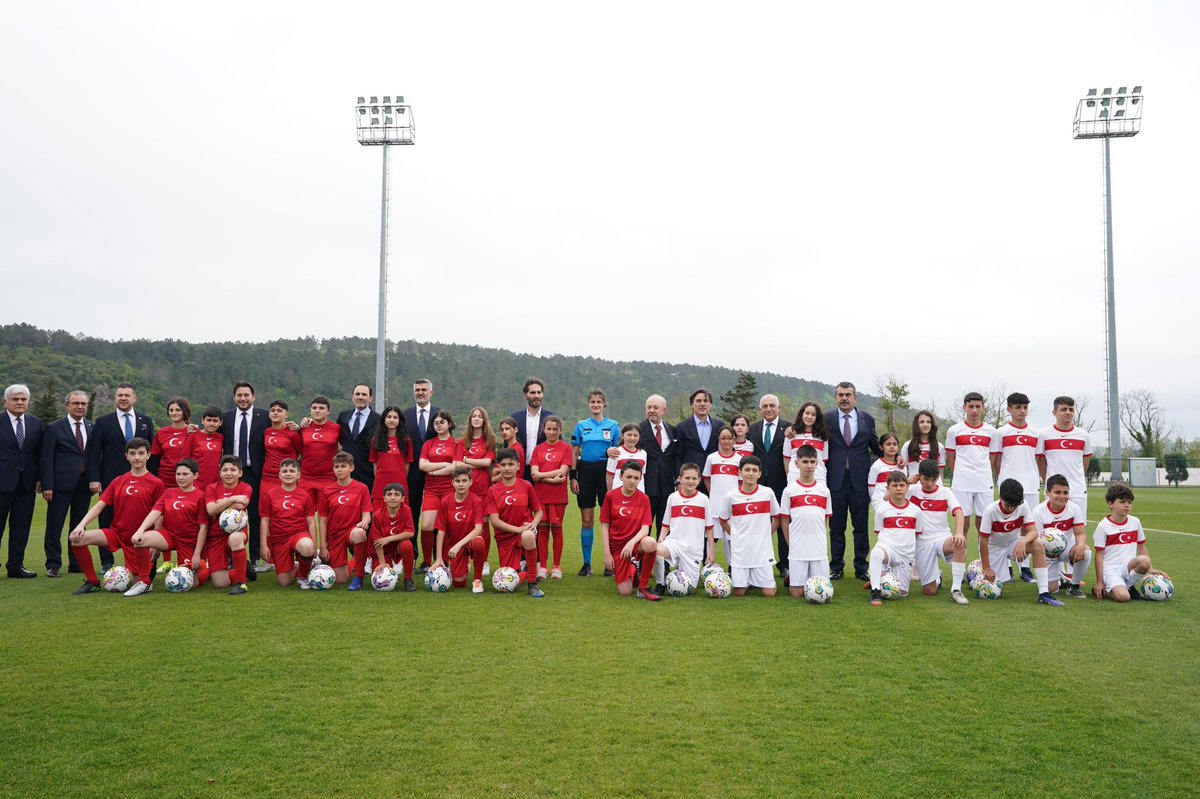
898	528
934	509
807	508
877	477
972	448
1064	451
722	474
790	445
687	517
1002	528
1018	455
911	464
1064	521
750	518
1117	543
624	456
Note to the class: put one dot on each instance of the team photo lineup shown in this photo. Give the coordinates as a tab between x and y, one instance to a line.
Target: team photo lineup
724	507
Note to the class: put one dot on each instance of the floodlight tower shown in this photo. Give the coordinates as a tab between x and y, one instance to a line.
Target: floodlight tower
1108	116
383	124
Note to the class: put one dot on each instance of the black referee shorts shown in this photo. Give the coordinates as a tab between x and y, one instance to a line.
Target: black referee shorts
591	483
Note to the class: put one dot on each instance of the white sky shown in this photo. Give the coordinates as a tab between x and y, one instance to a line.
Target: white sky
830	192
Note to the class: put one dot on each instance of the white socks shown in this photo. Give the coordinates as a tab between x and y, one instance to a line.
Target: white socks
1079	570
1043	579
875	568
957	571
660	571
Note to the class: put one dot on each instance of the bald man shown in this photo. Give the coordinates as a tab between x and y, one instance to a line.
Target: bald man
767	436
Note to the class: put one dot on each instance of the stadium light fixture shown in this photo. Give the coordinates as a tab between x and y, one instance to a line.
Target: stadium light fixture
383	124
1111	118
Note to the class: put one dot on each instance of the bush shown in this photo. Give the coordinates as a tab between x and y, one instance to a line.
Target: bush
1176	463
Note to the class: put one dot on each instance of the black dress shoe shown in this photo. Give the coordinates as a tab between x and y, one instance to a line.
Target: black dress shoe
52	573
835	575
864	576
21	574
76	570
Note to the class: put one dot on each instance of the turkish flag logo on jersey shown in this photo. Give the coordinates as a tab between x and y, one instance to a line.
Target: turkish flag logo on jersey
725	468
751	508
688	511
1006	527
900	523
809	500
1074	444
1062	524
931	505
972	441
1019	441
1122	537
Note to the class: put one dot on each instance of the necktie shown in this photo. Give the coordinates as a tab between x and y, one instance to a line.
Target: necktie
846	428
658	435
355	427
79	435
421	424
20	432
767	436
128	429
244	441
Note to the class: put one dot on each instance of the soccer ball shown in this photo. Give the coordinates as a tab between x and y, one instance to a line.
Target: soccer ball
707	570
384	579
321	578
506	580
975	573
818	590
233	520
180	579
988	590
1054	542
438	580
1157	588
117	579
889	586
718	585
679	584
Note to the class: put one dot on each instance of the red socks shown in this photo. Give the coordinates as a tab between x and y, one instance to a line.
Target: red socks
531	565
647	572
84	556
407	557
141	566
478	556
360	559
543	544
428	539
556	532
238	575
304	567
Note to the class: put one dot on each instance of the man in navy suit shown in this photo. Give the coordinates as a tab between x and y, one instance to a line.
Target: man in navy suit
852	442
530	419
767	435
697	435
243	429
358	426
419	421
106	454
20	450
65	481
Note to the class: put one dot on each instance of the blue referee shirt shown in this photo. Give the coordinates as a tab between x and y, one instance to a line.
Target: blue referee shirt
594	438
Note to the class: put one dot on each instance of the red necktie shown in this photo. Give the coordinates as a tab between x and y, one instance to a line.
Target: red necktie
79	435
658	435
846	428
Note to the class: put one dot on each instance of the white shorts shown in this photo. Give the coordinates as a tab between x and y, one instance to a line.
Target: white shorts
800	570
756	577
1081	501
1000	555
974	503
1032	501
684	558
929	552
902	570
1122	576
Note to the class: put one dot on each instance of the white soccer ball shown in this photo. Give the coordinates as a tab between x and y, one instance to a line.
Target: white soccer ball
506	580
233	520
975	573
438	580
180	579
1156	588
384	579
321	578
818	590
988	590
679	584
707	570
116	580
1054	542
718	585
889	586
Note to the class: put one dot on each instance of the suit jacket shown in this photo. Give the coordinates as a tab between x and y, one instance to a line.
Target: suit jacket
858	454
19	465
63	464
520	415
259	422
106	450
414	435
359	446
660	464
774	473
688	449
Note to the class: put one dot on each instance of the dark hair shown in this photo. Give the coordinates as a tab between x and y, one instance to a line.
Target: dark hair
750	460
634	465
394	487
126	385
548	420
190	465
735	417
137	442
625	428
278	404
289	462
379	441
1056	480
443	414
892	436
320	399
511	422
211	412
360	383
914	444
846	384
928	468
698	392
229	459
806	451
1064	400
595	392
1012	492
1017	398
507	454
818	428
184	406
897	476
343	457
532	381
243	384
689	466
972	396
460	470
1118	491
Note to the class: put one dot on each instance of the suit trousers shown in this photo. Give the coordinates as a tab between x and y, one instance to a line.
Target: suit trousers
75	505
16	514
658	506
857	502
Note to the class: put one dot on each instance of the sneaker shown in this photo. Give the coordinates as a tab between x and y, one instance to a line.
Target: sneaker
369	566
86	588
167	566
1075	592
477	587
556	573
608	572
647	594
138	589
660	589
542	573
238	590
261	566
410	586
876	597
1046	599
423	568
304	584
585	570
958	598
535	592
355	584
1027	576
487	568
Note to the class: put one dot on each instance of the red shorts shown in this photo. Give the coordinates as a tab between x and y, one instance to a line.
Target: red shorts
509	547
126	548
265	487
314	488
433	495
397	553
460	566
553	515
283	551
623	569
184	548
337	544
216	551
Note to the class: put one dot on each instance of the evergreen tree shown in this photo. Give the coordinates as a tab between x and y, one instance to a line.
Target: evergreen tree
742	398
46	406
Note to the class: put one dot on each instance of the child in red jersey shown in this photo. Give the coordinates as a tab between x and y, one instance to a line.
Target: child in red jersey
514	511
282	440
438	456
391	452
204	447
625	520
392	535
344	520
228	492
171	442
132	497
508	440
320	442
178	522
460	531
288	527
550	467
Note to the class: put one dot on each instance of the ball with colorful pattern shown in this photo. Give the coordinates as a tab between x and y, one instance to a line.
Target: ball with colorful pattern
180	579
988	590
321	578
718	585
679	584
438	580
384	578
116	580
818	590
506	580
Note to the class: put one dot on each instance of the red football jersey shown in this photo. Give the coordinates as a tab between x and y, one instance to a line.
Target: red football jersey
391	466
319	445
183	513
205	449
481	479
218	491
343	506
280	445
458	519
169	445
437	450
548	458
515	504
288	512
625	516
384	526
131	499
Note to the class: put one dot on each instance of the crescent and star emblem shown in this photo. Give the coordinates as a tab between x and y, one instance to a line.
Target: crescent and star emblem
342	499
173	441
459	516
809	499
316	435
178	504
211	446
440	449
509	499
624	511
287	504
131	491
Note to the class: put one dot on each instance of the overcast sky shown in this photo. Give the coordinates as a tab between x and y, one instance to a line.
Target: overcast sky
832	192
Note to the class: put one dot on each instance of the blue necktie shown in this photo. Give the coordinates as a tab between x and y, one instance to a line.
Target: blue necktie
767	437
128	429
421	424
20	432
354	427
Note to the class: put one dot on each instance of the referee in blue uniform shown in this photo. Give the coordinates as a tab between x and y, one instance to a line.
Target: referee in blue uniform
591	440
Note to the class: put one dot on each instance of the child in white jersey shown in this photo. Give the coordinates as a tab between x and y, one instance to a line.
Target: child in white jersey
1120	541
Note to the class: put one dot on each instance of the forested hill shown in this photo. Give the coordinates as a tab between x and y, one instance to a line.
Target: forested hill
297	369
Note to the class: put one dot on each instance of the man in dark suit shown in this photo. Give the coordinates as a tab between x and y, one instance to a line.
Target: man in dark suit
659	442
852	442
358	426
419	421
106	453
20	450
65	481
768	435
244	429
696	436
530	419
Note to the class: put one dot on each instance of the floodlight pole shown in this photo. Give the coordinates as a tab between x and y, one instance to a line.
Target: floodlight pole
1114	408
381	342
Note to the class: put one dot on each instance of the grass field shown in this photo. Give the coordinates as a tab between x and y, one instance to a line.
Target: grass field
283	693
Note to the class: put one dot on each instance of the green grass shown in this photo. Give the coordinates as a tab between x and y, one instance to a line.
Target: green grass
283	693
